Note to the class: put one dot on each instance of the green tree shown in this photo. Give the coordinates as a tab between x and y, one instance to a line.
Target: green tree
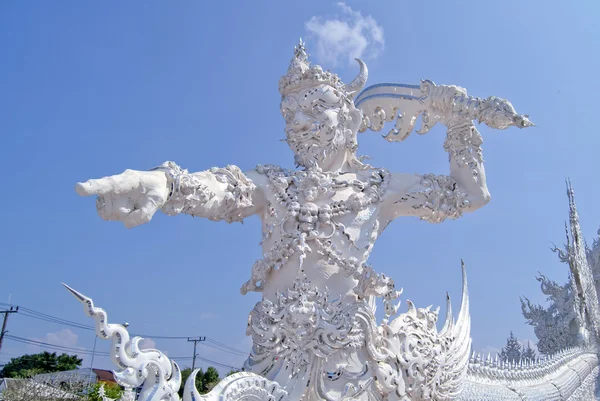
529	353
512	350
44	362
111	390
205	381
185	373
210	379
28	373
67	362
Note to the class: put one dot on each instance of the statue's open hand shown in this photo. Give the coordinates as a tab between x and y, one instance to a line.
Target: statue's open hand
131	197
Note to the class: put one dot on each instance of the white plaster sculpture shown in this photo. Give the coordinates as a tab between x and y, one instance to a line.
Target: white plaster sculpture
160	378
573	317
566	330
314	331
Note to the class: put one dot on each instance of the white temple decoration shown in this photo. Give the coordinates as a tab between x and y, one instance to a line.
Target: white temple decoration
422	363
557	326
314	332
160	378
593	258
573	315
188	192
147	368
442	196
570	374
566	336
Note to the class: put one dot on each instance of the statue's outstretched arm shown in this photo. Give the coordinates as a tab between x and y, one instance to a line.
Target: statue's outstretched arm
134	196
217	194
435	198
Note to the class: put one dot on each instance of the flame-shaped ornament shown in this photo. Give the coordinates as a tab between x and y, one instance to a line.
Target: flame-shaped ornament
159	377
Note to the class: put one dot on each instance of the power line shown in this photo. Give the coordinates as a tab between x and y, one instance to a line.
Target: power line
215	363
54	347
28	312
226	346
195	341
239	353
3	330
53	319
83	351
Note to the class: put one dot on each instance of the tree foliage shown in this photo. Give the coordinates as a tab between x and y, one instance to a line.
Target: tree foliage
59	388
185	373
512	351
69	389
111	390
205	381
210	378
44	362
529	353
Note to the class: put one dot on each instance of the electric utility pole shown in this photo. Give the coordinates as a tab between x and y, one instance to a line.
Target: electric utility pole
195	340
4	331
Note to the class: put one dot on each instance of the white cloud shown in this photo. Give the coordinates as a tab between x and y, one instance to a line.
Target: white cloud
207	316
351	35
63	338
147	343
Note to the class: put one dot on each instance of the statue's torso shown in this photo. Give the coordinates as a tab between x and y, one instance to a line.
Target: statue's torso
324	224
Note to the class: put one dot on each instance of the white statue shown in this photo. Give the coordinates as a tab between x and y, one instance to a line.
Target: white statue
314	331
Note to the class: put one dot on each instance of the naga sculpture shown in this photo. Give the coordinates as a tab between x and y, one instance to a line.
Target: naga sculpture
315	336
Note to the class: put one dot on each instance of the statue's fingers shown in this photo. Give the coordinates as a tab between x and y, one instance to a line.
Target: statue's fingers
121	207
114	208
104	206
139	216
120	183
99	186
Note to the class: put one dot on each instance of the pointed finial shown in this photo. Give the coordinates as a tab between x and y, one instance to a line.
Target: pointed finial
570	191
75	293
567	233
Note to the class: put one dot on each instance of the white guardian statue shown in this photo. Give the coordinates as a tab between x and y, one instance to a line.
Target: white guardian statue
315	336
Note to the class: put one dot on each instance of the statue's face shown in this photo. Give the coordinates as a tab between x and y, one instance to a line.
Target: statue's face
315	124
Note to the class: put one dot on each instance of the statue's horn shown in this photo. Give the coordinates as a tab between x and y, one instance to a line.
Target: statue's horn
354	87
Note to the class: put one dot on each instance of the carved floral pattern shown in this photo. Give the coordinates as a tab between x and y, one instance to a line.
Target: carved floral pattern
305	225
301	325
187	191
463	144
441	196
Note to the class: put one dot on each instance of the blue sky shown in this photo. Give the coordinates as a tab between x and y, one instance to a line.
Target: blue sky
92	88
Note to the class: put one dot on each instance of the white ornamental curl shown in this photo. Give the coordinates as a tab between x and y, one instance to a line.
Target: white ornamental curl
160	378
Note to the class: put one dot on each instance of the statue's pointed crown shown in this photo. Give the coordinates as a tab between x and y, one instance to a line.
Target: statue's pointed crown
301	74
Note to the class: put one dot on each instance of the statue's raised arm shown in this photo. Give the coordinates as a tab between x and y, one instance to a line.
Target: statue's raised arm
134	196
437	197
